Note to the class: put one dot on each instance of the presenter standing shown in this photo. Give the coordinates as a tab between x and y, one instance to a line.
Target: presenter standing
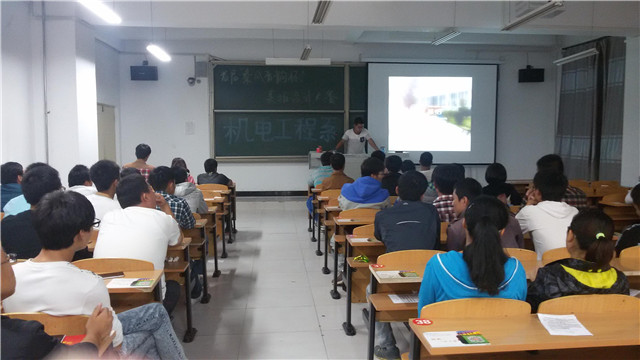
355	138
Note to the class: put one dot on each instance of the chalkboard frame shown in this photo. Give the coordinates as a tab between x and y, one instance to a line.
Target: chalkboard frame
280	158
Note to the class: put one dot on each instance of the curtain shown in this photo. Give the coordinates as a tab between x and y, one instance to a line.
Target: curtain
589	132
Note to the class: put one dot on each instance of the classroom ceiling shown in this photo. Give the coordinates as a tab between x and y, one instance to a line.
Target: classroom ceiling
353	22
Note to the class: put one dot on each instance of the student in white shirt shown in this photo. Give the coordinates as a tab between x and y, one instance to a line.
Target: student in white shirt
79	180
545	215
105	175
50	283
356	137
139	231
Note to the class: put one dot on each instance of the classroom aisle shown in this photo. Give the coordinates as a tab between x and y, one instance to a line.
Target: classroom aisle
272	301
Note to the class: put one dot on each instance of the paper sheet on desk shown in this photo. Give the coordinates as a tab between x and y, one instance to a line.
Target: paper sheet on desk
359	239
566	325
390	274
122	283
403	298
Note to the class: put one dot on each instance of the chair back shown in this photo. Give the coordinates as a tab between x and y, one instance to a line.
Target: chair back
364	230
210	194
332	193
333	202
196	216
1	215
410	258
631	253
444	225
55	325
611	183
358	214
616	196
555	254
606	189
521	254
579	183
476	308
106	265
515	209
218	187
591	304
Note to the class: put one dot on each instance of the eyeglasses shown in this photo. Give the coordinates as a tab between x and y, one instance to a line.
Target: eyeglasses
10	258
96	223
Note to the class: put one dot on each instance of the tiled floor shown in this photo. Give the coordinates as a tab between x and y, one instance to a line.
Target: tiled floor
272	301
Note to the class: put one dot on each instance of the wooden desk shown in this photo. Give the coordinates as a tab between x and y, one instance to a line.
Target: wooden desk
343	227
522	333
123	299
622	214
330	213
198	251
218	203
232	197
211	230
181	268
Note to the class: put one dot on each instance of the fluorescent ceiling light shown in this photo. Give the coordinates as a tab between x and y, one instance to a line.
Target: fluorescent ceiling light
321	12
450	35
576	56
535	13
294	61
102	10
306	52
158	52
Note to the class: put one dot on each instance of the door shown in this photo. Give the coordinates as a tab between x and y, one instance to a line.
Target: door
106	132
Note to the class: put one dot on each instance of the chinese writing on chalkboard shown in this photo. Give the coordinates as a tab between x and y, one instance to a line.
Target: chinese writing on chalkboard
244	130
265	76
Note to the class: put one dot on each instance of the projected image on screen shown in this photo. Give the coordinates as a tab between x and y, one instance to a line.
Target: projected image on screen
430	113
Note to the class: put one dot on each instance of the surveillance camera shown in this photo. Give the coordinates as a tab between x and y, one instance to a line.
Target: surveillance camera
191	81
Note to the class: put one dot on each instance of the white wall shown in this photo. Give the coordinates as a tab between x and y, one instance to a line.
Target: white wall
631	125
108	82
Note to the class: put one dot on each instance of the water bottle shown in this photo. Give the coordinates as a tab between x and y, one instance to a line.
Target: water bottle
383	149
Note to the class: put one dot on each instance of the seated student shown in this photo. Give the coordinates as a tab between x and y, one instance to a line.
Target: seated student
407	165
211	175
366	191
164	183
128	171
631	235
188	191
18	233
139	231
444	177
320	173
105	175
143	151
179	162
572	195
464	192
11	178
496	177
23	339
19	203
337	178
426	160
392	164
410	224
50	283
79	180
482	269
545	215
378	154
589	243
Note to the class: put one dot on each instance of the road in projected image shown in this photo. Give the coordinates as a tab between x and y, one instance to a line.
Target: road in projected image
430	113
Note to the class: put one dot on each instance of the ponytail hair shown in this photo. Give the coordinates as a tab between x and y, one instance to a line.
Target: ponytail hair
485	258
593	230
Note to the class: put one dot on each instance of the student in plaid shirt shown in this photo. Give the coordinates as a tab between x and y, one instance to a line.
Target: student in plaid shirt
572	196
163	182
444	177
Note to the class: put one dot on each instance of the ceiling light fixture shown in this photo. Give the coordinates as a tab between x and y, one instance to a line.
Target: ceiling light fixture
155	49
295	61
576	56
321	11
450	35
102	10
306	52
533	14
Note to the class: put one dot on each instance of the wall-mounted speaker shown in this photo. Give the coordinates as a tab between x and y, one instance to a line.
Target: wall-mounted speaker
530	75
144	72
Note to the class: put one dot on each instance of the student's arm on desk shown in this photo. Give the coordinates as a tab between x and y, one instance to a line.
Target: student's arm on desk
427	294
100	295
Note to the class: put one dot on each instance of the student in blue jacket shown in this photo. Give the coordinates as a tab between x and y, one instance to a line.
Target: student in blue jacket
482	269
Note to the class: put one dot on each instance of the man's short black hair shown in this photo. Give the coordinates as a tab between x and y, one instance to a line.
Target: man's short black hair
393	163
407	165
180	174
495	174
160	178
411	185
469	188
60	216
371	166
445	176
426	159
130	188
461	169
325	158
635	195
379	154
38	181
210	166
357	121
129	171
551	183
10	172
104	173
337	161
143	151
550	162
78	175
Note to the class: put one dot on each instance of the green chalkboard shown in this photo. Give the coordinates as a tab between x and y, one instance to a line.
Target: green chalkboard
275	134
261	87
358	87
